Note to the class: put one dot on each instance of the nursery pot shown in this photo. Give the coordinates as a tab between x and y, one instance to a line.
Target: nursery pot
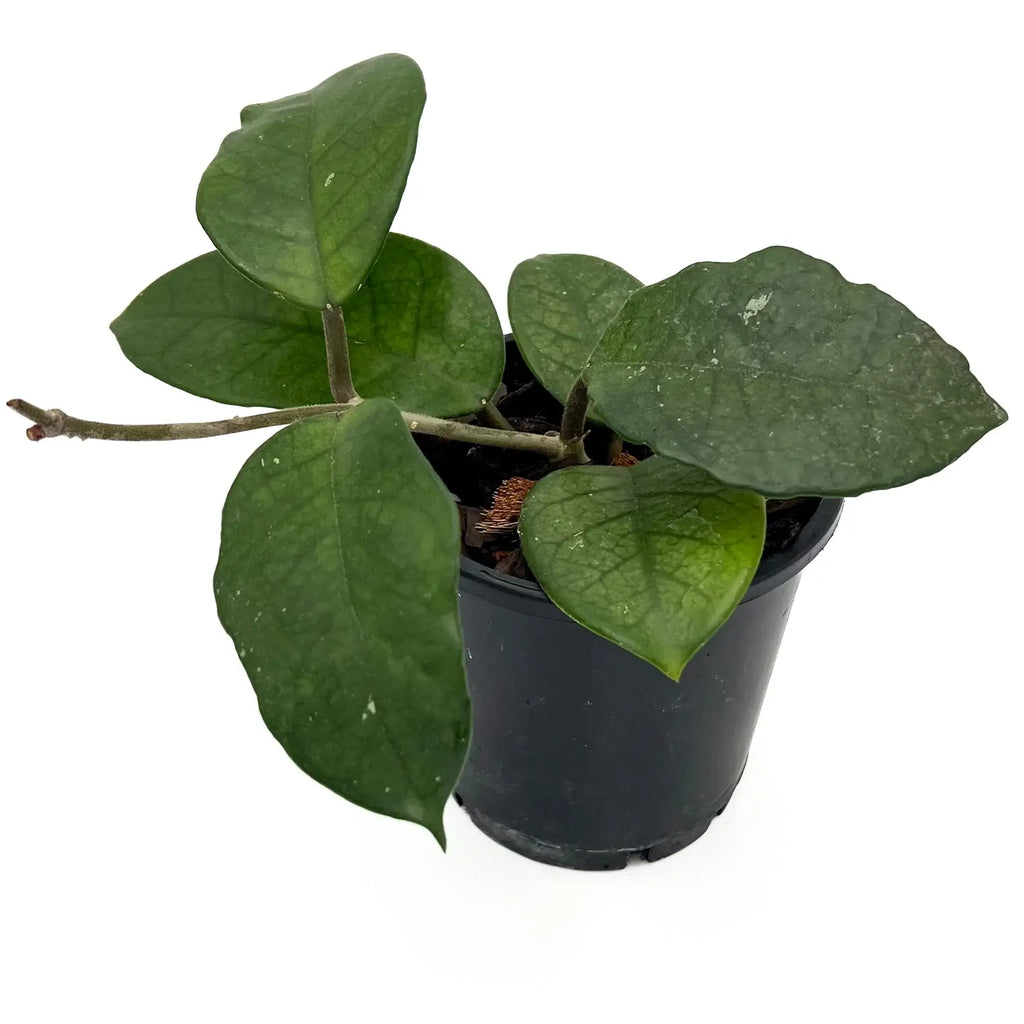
582	754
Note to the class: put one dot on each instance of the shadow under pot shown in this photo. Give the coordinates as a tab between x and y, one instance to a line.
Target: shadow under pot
583	755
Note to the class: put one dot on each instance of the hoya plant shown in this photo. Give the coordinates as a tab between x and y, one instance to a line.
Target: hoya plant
730	383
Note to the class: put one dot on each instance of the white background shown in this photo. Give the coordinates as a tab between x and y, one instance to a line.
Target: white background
163	860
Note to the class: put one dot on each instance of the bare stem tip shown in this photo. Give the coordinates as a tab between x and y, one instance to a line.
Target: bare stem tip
48	422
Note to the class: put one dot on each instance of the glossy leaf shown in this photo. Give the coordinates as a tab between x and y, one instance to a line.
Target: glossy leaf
422	331
337	582
301	197
560	306
654	557
776	374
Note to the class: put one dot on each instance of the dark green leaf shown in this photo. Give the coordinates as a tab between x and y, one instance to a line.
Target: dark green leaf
422	331
775	373
206	329
301	197
560	306
654	557
337	582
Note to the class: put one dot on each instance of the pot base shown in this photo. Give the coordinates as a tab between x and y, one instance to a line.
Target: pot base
587	860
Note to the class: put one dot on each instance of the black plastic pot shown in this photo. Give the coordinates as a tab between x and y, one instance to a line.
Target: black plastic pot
582	755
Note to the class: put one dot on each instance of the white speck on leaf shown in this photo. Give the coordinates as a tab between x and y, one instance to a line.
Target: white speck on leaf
277	461
755	305
328	179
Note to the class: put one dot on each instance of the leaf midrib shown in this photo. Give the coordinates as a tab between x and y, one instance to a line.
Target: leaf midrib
313	213
750	373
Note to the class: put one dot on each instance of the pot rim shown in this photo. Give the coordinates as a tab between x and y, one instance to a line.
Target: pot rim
772	572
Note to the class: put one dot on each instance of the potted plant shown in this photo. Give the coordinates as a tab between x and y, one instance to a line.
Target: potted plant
626	492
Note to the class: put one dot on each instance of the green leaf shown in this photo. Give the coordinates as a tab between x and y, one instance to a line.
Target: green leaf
206	329
653	557
301	197
422	331
337	582
776	374
560	306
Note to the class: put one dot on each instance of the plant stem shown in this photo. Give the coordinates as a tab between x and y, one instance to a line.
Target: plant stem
339	369
494	417
55	423
453	430
574	421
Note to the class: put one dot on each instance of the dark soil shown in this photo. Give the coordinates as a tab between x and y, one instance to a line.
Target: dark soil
474	472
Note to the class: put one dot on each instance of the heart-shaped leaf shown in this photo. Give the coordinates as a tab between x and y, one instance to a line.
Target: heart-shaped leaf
422	331
301	197
775	373
654	556
337	582
560	306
